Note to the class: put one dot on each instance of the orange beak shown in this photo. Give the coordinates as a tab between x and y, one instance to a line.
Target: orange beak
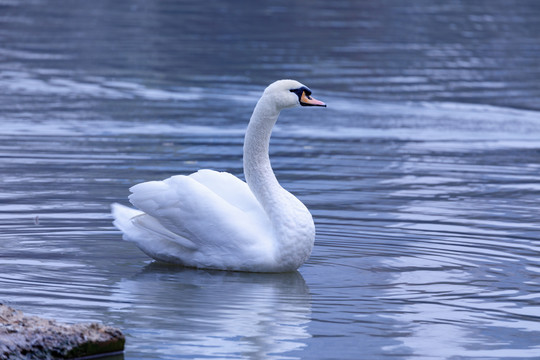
307	100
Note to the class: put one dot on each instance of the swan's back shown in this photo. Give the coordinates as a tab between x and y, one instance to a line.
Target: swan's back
210	218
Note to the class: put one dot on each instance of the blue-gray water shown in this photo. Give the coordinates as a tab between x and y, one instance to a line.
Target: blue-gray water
423	174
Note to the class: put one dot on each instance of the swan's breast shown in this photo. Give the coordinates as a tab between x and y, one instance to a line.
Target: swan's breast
295	231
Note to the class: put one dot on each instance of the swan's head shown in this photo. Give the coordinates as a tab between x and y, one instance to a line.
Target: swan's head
290	93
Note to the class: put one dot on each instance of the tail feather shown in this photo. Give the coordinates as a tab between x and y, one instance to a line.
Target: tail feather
149	235
122	217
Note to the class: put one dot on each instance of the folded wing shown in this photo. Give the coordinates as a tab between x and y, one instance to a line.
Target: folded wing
206	210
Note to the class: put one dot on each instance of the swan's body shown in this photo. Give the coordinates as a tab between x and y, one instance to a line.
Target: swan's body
214	220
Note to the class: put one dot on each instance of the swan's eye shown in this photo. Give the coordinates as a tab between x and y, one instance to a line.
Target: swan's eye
296	91
300	91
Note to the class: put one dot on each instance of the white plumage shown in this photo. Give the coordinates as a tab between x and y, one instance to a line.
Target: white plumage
214	220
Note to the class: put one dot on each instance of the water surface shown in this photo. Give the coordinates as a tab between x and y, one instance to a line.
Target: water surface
422	174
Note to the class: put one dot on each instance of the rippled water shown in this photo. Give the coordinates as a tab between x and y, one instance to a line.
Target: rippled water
422	174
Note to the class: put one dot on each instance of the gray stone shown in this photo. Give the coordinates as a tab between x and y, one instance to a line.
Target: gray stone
32	337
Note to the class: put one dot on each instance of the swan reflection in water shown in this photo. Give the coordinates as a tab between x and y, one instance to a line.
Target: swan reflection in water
220	313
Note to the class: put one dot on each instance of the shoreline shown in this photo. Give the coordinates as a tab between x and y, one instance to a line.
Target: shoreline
33	337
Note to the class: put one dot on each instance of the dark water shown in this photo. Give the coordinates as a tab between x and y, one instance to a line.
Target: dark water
422	174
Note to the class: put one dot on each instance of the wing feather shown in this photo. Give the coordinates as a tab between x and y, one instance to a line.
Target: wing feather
208	208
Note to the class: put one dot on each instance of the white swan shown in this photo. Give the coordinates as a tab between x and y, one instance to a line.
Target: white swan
214	220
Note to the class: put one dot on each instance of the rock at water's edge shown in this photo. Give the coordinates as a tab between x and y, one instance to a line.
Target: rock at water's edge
32	337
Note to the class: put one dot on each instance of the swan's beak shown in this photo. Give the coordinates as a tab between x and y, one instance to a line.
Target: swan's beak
307	100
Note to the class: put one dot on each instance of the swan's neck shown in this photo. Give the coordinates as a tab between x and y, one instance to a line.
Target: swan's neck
291	222
257	169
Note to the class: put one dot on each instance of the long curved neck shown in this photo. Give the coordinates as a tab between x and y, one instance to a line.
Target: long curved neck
291	222
257	169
